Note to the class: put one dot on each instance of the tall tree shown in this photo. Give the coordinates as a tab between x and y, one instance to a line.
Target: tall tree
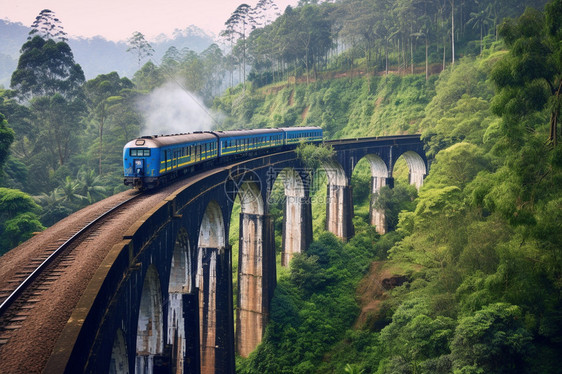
529	79
6	139
60	120
47	26
149	77
240	22
213	62
313	38
139	46
20	120
361	19
452	31
102	93
46	67
480	19
49	79
264	11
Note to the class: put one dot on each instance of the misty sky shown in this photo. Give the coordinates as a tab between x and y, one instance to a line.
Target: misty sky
118	19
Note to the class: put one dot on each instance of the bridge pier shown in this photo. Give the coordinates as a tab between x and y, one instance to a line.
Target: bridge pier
297	216
377	216
339	211
256	280
215	310
297	227
192	355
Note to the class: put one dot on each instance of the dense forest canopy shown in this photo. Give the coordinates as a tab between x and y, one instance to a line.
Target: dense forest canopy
475	259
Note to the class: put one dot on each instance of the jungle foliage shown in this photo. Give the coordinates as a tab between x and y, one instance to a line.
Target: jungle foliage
479	246
477	250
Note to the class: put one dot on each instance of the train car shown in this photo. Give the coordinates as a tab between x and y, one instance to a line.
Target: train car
152	160
239	142
295	135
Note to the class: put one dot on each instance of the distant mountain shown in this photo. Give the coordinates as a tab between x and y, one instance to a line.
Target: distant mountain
97	55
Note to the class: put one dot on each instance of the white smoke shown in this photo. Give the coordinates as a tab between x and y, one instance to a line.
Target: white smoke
170	109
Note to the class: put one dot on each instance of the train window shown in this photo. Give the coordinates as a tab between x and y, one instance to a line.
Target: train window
139	152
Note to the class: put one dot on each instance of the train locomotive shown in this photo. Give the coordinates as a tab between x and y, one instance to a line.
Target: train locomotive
150	161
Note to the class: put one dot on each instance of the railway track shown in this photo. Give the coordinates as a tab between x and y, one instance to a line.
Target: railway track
28	284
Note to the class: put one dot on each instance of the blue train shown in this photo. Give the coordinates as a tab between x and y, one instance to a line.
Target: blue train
150	161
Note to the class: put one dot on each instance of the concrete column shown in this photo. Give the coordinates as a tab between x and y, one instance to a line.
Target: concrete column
416	178
255	260
192	360
207	307
377	215
224	342
339	211
215	311
297	227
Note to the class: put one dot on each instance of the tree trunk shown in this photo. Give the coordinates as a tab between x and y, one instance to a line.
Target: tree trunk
444	51
386	57
426	57
101	146
412	55
553	137
452	32
480	37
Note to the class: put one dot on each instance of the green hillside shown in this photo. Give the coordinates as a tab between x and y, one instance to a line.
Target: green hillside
475	262
343	107
470	280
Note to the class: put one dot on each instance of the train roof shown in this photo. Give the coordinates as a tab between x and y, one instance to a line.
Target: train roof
165	140
290	129
232	133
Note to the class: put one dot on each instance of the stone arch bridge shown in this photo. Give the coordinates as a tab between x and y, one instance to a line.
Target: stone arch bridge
162	300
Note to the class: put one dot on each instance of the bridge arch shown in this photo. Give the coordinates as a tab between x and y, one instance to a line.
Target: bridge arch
180	283
416	165
211	244
339	207
251	200
150	323
119	363
335	173
212	231
380	176
296	210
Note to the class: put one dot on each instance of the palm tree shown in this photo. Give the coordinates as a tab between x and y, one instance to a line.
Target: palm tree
53	209
69	192
92	186
480	19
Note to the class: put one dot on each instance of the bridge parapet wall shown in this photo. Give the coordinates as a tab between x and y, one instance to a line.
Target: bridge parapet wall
74	346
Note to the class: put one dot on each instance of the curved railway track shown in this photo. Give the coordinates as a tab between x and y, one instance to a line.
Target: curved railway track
20	292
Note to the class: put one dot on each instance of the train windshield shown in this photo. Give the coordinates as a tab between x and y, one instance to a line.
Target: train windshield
137	152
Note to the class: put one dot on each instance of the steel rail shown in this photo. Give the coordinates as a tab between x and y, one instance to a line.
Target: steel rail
31	277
